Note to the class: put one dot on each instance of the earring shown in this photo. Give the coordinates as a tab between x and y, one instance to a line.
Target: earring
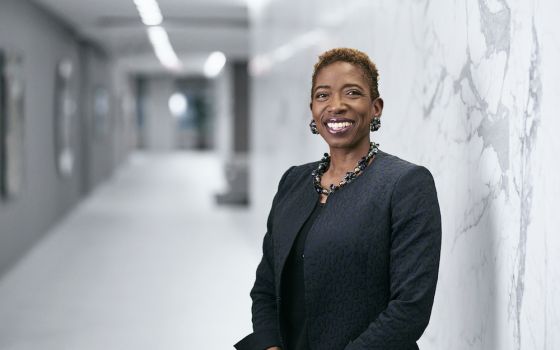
375	124
313	127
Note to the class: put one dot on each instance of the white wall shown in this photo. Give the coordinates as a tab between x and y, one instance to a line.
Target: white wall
471	92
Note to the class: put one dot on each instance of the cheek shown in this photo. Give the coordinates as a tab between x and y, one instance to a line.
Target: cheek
363	111
368	111
316	111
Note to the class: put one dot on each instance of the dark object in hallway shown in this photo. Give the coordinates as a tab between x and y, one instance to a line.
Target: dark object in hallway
237	176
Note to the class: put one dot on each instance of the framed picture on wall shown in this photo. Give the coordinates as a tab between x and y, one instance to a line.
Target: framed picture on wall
65	109
12	123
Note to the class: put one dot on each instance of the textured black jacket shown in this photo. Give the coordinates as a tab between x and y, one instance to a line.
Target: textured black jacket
371	259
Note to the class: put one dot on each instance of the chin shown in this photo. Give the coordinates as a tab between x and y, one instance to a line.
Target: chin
344	142
348	144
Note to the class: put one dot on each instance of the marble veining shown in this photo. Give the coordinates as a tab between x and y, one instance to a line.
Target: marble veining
495	25
530	130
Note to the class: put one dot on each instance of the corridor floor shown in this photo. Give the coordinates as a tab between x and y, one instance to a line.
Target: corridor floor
146	262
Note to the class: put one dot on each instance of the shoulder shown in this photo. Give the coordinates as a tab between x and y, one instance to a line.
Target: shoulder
297	174
395	169
410	182
294	180
391	177
392	166
297	171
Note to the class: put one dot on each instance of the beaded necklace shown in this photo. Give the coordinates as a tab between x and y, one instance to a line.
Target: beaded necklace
349	177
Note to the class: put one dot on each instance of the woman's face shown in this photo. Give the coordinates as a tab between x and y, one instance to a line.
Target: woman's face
342	106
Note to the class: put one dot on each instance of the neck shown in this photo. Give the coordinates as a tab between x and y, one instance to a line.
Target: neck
345	159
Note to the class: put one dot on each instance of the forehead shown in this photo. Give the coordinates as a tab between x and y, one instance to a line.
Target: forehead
341	73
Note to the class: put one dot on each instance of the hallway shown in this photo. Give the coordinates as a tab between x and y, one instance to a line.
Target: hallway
148	261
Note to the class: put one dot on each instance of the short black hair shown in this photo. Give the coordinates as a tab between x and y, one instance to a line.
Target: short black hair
352	56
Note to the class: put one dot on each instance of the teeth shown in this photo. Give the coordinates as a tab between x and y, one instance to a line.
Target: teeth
339	125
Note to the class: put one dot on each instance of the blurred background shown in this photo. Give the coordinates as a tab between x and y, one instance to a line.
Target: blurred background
141	143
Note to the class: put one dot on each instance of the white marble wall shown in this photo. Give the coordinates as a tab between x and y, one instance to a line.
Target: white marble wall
471	91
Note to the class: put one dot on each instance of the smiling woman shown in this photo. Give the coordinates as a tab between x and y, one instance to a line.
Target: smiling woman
351	254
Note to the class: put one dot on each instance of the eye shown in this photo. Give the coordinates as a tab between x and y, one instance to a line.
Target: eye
354	92
321	95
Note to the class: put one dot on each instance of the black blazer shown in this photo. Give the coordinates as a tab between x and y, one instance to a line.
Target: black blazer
371	259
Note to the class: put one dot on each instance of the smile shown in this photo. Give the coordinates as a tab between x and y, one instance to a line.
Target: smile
338	126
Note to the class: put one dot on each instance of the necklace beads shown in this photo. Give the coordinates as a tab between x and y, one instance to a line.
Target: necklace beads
350	176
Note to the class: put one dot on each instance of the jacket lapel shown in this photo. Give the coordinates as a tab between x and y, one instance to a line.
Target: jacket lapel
289	219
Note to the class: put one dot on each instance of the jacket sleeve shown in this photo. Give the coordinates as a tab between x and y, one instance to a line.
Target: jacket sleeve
266	331
414	264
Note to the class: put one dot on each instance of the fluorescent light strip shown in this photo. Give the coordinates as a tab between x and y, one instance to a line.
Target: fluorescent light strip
163	49
151	16
149	12
214	64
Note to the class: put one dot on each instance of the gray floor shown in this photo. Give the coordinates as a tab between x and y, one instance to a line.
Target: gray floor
146	262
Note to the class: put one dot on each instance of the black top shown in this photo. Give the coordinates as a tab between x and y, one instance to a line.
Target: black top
294	321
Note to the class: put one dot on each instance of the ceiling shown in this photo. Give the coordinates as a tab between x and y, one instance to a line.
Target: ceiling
195	28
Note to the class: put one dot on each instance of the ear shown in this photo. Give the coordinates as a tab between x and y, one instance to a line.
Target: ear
377	107
310	106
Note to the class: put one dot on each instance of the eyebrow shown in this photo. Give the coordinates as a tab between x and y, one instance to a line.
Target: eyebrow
321	87
344	86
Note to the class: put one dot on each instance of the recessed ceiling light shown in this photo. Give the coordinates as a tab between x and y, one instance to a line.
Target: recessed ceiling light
214	64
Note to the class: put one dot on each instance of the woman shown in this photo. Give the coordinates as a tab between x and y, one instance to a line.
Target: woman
351	255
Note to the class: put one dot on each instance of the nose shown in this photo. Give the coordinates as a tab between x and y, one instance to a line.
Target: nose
337	104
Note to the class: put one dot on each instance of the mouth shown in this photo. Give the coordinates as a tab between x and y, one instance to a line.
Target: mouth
338	125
